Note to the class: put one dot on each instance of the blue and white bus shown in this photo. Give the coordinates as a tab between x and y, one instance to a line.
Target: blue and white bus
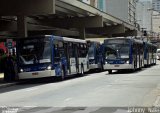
123	53
95	55
149	54
51	56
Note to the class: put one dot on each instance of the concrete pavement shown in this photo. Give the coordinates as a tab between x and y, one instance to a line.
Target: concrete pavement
4	84
66	110
141	88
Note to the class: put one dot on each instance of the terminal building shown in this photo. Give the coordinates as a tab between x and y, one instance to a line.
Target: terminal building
156	5
78	19
143	15
125	9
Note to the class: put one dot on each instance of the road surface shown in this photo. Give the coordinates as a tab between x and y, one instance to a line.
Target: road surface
96	90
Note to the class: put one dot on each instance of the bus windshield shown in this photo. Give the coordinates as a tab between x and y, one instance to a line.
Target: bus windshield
117	50
34	51
91	51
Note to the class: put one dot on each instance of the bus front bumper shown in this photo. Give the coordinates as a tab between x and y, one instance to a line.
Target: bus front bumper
118	66
37	74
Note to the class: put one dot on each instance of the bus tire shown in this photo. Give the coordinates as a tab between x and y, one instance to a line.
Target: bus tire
102	68
110	71
135	66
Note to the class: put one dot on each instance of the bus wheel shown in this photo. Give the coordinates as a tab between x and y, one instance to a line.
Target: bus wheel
110	71
135	66
101	69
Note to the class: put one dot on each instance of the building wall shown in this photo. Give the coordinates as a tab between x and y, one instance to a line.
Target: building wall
123	9
156	22
94	3
102	5
86	1
156	5
143	15
132	11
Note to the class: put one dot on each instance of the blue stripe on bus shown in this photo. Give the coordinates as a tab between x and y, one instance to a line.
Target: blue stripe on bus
38	67
116	61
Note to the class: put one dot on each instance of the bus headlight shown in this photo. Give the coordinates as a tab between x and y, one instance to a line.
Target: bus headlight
49	68
127	62
21	70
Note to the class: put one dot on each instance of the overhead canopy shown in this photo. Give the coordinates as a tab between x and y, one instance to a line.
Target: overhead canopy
27	7
46	15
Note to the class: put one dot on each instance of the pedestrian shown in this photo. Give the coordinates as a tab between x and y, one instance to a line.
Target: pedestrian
10	69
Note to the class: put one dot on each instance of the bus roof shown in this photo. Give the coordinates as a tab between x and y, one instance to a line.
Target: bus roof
66	39
127	38
54	37
92	41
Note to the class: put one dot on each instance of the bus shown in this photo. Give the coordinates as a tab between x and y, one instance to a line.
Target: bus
123	53
154	54
158	54
149	54
95	55
51	56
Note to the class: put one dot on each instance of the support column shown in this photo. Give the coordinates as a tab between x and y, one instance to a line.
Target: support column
22	26
82	33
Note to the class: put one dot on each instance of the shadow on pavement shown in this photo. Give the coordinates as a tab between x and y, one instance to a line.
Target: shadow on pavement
130	71
23	84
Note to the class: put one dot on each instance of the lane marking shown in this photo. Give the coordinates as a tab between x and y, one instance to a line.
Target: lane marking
49	110
88	110
122	111
68	99
30	89
157	102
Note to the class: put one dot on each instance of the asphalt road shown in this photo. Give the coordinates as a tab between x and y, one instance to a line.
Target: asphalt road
123	89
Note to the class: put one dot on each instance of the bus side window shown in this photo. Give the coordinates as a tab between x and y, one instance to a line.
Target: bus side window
71	50
80	50
135	50
84	49
56	53
61	49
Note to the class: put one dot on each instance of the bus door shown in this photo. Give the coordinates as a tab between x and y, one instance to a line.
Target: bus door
59	57
135	55
138	55
76	57
98	56
72	58
66	51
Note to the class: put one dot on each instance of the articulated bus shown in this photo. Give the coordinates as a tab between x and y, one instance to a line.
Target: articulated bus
149	54
51	56
95	55
123	53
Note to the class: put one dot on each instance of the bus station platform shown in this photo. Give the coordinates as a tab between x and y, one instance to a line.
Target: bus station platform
4	84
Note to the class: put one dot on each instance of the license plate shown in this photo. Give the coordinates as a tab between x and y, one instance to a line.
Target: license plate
116	65
34	74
